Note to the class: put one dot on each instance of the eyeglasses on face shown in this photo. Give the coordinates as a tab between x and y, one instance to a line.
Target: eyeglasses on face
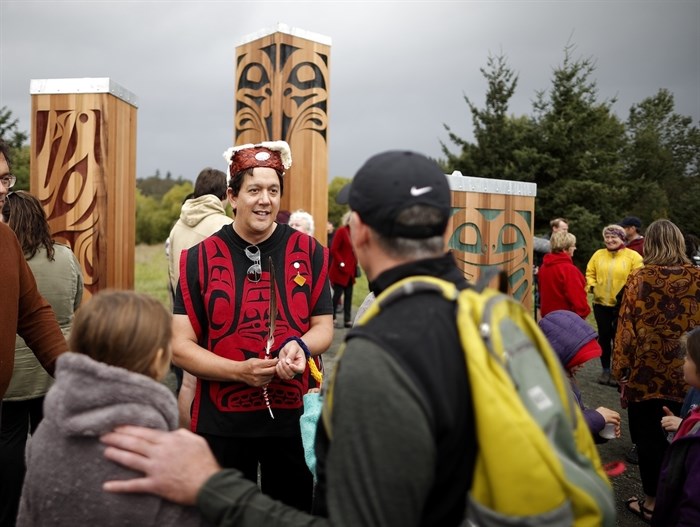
8	181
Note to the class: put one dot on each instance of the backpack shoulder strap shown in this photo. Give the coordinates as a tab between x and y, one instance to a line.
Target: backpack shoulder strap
401	289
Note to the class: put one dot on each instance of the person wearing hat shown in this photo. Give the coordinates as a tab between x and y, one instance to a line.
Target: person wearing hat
633	235
395	386
606	274
248	396
575	343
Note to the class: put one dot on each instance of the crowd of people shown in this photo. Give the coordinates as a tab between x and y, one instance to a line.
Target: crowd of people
254	301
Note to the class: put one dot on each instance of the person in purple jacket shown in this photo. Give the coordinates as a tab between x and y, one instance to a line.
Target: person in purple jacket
678	495
575	342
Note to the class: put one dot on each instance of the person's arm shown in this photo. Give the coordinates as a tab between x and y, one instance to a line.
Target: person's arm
637	260
625	336
180	467
576	284
204	364
80	283
292	358
36	321
379	421
185	398
320	335
175	465
591	272
609	416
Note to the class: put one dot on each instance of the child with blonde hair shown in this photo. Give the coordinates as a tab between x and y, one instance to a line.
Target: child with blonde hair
678	492
120	349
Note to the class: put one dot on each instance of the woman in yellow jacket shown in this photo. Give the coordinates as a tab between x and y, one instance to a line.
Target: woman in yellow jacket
606	274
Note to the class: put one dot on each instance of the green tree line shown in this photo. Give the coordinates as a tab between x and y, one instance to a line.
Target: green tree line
590	166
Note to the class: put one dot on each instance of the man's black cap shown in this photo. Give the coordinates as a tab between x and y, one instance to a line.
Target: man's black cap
631	221
392	181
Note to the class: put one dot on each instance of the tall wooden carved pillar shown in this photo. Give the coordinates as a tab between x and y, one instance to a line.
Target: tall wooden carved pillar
282	91
83	170
492	226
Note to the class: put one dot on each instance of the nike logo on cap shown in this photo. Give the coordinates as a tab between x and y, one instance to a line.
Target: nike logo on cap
415	191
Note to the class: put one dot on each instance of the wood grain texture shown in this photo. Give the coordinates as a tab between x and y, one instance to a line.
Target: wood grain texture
83	170
494	230
282	92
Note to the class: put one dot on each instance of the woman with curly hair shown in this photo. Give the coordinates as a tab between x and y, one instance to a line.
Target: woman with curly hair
661	302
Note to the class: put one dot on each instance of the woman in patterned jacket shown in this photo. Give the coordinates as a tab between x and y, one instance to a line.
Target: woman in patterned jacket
661	302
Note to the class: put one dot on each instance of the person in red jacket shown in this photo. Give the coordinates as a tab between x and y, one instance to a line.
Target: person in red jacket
562	284
343	270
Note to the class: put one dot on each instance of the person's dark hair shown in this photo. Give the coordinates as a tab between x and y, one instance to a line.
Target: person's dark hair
24	214
401	248
692	245
690	342
5	150
236	181
210	181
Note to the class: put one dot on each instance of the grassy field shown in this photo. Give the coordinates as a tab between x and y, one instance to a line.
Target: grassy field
151	275
151	272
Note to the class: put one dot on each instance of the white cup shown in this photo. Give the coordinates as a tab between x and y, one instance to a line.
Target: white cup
608	432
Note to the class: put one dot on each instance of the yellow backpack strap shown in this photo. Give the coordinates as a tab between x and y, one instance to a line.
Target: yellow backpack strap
402	288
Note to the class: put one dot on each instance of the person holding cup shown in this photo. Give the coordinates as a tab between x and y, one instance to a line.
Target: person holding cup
576	342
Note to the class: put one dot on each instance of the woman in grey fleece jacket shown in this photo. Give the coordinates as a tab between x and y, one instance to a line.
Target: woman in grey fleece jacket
122	344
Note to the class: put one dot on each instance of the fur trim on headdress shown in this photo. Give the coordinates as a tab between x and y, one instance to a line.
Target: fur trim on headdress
272	154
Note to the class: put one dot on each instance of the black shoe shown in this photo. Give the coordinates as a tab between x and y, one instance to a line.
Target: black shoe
631	455
604	378
348	324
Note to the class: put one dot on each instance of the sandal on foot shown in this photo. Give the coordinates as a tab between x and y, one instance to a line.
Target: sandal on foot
642	512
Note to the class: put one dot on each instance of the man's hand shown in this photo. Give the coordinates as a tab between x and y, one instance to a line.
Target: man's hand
175	464
292	360
257	372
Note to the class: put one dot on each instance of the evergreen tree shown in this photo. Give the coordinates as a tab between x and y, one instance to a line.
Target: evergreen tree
579	143
501	150
335	209
661	160
19	151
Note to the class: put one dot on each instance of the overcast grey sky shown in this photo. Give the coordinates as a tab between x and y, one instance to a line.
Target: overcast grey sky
399	70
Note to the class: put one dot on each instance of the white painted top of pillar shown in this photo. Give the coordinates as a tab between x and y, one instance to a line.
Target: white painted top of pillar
84	85
482	185
284	28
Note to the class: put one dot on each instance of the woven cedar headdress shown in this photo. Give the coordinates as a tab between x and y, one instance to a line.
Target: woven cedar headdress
271	154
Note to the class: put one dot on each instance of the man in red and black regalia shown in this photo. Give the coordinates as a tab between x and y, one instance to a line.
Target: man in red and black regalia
248	403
